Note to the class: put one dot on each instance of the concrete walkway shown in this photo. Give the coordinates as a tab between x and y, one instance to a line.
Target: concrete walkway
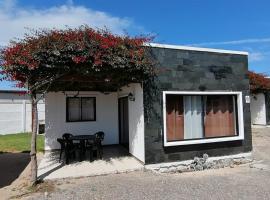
115	160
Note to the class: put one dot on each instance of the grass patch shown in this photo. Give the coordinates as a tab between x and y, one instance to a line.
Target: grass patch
20	142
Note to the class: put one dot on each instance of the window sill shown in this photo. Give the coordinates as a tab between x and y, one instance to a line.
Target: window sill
203	141
81	121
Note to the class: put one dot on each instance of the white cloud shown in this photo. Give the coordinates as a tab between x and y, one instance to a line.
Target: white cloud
14	19
256	56
234	42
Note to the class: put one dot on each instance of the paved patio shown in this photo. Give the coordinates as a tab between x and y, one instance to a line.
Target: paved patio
115	160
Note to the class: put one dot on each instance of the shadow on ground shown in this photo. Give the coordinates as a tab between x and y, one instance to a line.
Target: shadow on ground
11	166
115	159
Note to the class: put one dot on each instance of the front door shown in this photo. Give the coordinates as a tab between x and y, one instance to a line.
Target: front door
123	121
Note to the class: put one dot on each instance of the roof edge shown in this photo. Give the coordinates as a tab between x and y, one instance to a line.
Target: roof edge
190	48
12	91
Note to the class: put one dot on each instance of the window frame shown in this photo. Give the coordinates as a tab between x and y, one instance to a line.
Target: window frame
240	121
80	120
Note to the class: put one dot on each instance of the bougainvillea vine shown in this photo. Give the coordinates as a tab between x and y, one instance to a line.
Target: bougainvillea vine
45	56
74	59
258	82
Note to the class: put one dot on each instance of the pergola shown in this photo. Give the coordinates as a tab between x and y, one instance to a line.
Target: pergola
75	60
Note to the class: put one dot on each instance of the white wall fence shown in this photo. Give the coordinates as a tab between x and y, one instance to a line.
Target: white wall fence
16	116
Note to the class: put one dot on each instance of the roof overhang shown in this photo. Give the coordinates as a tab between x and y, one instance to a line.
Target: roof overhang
191	48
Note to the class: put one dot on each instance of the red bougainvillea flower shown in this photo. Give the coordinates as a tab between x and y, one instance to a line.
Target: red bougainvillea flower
79	59
49	54
258	82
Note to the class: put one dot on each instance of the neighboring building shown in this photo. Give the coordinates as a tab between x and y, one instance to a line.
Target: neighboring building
201	106
16	112
260	108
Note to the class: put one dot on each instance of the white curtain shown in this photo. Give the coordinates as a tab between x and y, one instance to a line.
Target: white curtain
88	112
74	109
193	117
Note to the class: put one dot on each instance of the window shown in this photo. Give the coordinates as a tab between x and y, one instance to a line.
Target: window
81	109
202	117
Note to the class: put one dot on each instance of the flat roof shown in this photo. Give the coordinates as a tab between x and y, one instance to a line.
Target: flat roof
191	48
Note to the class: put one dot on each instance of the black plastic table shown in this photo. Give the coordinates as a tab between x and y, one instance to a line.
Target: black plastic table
82	139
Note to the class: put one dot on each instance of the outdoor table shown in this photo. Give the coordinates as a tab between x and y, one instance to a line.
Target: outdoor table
82	139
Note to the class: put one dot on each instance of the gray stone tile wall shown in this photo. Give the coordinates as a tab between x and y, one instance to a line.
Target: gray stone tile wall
184	70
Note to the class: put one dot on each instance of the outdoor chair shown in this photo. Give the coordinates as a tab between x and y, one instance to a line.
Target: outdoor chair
96	145
68	146
66	136
70	150
62	146
99	137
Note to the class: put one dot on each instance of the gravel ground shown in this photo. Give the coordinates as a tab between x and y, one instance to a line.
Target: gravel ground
250	181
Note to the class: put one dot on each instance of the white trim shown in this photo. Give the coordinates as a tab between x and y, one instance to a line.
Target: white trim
81	93
122	96
180	47
259	126
234	116
240	136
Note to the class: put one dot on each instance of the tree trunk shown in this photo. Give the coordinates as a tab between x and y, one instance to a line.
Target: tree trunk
34	140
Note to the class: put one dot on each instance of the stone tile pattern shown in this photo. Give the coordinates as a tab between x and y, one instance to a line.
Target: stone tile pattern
184	70
200	164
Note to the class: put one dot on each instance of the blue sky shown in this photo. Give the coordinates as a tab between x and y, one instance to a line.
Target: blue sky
228	24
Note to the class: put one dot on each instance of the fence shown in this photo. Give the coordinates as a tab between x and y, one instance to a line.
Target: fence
16	116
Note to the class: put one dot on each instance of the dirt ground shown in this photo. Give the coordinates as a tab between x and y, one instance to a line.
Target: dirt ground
249	181
261	145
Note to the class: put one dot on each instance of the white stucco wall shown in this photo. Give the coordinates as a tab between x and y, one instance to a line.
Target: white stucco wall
258	110
16	113
136	120
56	125
106	119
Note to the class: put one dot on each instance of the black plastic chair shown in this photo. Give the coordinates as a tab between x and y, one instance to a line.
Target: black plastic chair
62	145
70	150
66	136
99	137
95	145
69	146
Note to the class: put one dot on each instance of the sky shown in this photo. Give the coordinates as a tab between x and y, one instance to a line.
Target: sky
225	24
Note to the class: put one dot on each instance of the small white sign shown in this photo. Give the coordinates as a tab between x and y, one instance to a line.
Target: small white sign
247	99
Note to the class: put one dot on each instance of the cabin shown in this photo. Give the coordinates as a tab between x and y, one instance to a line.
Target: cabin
199	103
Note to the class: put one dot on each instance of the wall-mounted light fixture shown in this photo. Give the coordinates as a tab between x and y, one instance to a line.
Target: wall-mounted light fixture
131	97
